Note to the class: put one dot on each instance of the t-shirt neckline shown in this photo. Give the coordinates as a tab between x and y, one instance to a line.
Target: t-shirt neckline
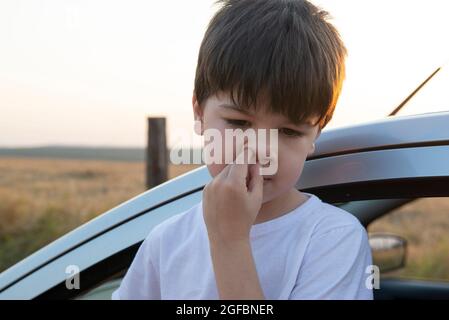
286	219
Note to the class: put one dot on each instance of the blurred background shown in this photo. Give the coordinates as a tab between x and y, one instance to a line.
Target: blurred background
79	80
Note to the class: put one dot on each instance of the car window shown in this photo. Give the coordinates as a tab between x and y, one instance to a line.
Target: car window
424	224
103	291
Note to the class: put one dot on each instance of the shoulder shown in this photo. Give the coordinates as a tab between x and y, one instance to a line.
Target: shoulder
340	237
177	226
332	220
336	258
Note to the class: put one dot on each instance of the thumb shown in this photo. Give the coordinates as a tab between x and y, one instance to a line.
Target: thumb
256	180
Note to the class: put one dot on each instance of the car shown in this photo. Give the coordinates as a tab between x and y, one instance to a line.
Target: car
368	169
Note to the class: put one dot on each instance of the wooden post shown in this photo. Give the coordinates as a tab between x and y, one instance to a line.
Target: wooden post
156	153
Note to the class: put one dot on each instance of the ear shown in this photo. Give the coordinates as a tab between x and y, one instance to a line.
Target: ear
312	148
318	134
197	116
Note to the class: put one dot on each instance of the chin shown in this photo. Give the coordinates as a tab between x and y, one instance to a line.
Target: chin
269	195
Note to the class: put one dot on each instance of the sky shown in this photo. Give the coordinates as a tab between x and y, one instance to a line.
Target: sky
89	73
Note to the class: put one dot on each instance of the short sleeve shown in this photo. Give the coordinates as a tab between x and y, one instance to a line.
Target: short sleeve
335	265
141	281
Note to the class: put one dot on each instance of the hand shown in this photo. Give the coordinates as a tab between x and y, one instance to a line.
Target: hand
232	200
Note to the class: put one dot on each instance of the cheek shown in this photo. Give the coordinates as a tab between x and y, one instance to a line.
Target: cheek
289	171
291	163
218	145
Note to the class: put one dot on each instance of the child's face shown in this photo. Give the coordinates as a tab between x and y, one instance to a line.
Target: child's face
295	142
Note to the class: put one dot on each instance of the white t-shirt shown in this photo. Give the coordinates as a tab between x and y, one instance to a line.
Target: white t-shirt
316	251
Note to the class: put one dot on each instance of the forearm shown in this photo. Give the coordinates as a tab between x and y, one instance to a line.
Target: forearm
235	271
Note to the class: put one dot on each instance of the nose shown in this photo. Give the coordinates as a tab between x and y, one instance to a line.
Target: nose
266	150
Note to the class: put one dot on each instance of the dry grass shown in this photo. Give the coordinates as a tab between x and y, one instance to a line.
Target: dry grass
41	199
424	223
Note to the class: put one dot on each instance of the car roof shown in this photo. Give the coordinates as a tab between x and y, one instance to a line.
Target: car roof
388	133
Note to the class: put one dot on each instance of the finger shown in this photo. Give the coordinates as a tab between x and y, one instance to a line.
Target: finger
240	145
239	171
240	150
224	172
255	184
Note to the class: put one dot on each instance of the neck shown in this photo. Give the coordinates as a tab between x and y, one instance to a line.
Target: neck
281	205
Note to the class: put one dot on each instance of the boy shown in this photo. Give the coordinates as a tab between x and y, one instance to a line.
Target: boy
263	64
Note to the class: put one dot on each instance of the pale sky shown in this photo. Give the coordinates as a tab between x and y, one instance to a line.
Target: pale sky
90	72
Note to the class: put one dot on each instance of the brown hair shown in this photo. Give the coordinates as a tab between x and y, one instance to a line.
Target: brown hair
283	48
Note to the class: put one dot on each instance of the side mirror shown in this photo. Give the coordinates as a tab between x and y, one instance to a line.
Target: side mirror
389	251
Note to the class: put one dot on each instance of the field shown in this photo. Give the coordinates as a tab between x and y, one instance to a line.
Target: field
424	223
41	199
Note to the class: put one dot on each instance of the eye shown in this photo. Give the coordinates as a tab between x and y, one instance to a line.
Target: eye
238	123
291	132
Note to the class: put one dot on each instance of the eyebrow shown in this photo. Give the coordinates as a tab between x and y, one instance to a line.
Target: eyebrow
307	123
234	107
